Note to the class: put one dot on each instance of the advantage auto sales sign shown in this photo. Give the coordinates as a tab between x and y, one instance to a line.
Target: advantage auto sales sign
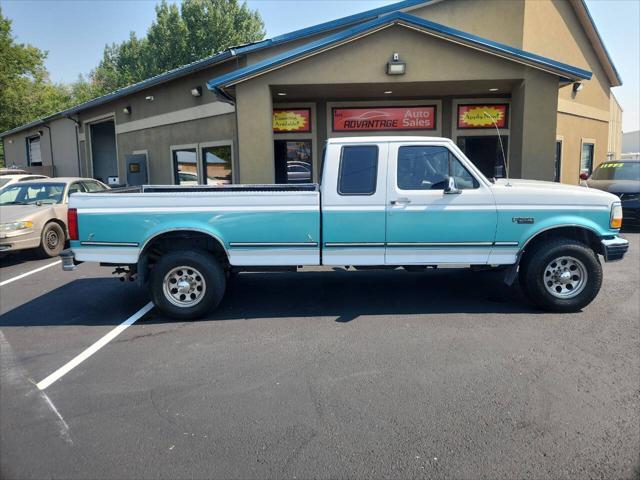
367	119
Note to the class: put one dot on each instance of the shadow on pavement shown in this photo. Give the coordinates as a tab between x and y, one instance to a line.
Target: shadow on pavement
19	257
342	294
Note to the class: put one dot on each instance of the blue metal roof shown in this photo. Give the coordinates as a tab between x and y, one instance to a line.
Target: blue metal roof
563	70
223	56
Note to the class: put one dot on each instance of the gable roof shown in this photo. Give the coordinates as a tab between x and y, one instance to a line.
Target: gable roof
589	25
564	71
225	55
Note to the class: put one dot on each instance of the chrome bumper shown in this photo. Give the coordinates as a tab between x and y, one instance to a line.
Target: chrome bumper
69	263
614	248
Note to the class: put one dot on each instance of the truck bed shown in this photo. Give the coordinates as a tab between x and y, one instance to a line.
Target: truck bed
256	224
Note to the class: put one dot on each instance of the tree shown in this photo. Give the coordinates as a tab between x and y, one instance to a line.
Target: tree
177	37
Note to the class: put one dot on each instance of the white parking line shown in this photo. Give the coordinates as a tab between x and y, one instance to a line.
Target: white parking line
2	284
67	367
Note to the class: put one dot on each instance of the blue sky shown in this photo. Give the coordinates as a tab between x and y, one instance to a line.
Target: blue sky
74	32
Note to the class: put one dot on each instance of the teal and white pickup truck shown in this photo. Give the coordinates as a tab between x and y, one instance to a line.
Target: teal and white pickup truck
412	202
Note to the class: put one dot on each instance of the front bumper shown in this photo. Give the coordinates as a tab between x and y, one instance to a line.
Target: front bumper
614	248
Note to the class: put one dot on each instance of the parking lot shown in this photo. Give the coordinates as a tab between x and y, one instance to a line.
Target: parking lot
444	374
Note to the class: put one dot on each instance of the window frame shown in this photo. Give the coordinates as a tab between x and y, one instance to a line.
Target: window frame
377	163
583	142
29	160
476	184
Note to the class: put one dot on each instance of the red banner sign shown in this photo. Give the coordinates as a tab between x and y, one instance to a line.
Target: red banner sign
368	119
291	120
483	116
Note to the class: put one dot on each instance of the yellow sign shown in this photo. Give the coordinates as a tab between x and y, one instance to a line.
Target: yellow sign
482	116
296	120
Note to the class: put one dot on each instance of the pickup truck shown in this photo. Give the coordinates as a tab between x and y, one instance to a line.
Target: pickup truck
387	202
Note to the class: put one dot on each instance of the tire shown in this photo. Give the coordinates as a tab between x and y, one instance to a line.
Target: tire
187	284
561	276
52	240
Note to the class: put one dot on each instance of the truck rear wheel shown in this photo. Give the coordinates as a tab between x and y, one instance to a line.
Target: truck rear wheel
561	276
187	284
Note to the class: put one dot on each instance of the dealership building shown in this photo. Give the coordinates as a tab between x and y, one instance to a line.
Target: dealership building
532	78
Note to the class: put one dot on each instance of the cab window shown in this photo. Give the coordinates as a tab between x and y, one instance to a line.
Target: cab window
423	167
358	172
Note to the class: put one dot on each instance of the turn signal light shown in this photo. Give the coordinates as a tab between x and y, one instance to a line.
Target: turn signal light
72	223
616	216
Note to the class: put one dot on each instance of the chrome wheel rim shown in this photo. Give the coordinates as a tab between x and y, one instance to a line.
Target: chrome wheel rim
184	286
565	277
52	239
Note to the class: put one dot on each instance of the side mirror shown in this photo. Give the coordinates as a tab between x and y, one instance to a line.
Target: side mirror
584	176
450	187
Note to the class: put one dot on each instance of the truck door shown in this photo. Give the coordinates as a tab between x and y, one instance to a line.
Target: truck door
427	224
354	191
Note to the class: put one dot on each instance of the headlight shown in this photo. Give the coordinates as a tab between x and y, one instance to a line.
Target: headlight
12	227
616	216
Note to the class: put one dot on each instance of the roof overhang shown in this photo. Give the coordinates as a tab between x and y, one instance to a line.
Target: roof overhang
586	20
566	73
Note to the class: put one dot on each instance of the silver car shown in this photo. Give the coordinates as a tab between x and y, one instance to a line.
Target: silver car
33	214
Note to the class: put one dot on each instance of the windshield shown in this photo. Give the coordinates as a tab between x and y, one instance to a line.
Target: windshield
617	171
30	193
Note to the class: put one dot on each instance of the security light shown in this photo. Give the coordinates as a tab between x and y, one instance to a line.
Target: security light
388	92
493	89
396	66
149	98
127	110
577	87
282	94
196	92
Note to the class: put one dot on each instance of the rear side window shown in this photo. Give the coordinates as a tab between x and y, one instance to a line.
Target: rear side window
358	172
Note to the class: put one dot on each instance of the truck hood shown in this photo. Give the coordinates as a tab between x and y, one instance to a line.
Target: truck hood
549	193
22	213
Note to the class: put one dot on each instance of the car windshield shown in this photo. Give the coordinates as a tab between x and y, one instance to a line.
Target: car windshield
30	193
617	171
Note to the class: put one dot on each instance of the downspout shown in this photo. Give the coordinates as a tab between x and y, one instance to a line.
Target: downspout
77	123
53	165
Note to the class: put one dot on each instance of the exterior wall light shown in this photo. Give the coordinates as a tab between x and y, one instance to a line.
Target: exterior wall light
196	92
395	66
577	87
127	110
282	94
149	98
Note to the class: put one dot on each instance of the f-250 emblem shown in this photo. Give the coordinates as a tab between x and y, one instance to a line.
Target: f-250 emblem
522	220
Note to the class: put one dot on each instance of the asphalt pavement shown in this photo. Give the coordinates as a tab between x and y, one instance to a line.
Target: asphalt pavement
323	373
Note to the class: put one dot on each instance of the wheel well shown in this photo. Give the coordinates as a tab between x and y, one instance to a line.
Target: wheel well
179	240
579	234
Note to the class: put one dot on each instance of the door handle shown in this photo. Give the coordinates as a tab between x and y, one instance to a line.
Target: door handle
400	201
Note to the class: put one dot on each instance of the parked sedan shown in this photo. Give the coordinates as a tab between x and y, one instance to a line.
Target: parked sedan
6	180
622	178
33	214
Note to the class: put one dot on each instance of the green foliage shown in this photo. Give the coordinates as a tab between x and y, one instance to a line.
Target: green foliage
178	36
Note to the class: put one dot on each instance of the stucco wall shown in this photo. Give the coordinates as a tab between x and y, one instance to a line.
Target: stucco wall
572	130
158	141
498	20
65	153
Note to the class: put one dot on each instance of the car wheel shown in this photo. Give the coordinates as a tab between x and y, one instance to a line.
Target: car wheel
187	284
52	240
561	276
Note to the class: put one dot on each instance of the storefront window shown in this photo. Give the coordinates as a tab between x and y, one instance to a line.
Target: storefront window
293	161
486	153
586	159
185	167
217	164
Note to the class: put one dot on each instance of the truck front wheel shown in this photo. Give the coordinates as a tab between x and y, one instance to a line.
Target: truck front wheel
561	276
187	284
